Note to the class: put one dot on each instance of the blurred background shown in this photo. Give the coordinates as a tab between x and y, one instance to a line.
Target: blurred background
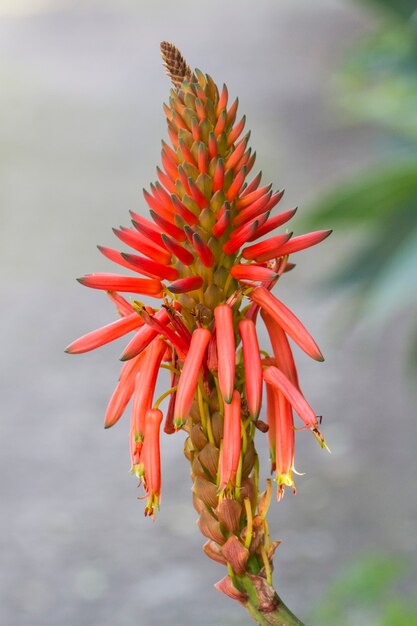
330	93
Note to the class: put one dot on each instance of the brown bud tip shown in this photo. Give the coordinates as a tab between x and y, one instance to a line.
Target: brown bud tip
176	67
262	426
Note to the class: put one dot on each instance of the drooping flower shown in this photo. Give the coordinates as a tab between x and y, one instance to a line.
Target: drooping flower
201	255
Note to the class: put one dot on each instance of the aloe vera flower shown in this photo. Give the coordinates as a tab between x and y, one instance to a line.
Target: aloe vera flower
204	262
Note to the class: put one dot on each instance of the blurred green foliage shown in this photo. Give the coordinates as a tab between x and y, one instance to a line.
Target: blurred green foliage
368	594
378	84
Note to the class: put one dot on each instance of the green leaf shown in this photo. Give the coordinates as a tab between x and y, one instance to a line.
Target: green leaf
396	287
403	9
369	199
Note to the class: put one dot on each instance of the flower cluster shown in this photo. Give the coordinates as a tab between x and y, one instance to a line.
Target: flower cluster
204	258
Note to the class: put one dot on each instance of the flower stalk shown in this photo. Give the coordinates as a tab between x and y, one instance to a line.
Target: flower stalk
201	257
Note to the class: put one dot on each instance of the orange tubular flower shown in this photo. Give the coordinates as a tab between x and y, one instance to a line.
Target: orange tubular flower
226	350
232	442
143	396
287	320
271	416
252	364
281	348
284	433
189	376
152	460
200	254
277	379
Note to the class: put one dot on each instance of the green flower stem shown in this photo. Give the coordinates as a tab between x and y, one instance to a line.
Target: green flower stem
264	604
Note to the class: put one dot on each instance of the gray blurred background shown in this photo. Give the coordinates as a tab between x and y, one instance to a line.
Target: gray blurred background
81	121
